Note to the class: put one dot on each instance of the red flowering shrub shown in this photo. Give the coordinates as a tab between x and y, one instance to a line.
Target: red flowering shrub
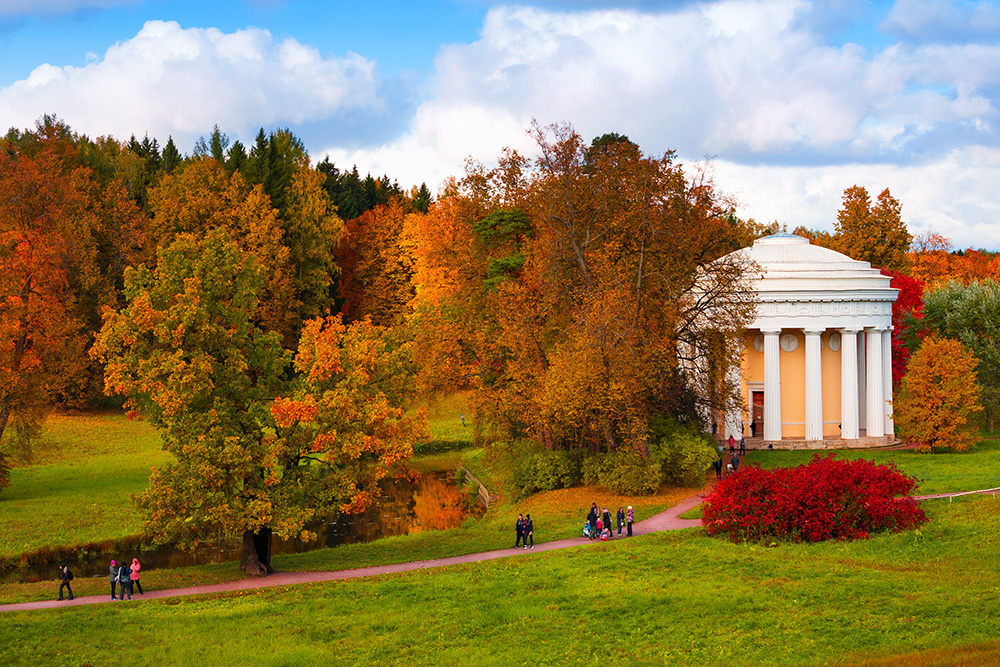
824	499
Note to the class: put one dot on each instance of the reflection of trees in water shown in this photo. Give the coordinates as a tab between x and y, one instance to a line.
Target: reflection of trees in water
438	505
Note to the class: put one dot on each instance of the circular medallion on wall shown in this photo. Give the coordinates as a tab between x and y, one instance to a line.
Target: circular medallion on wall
758	342
789	342
834	341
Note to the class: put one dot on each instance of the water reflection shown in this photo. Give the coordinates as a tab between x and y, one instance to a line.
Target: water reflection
431	503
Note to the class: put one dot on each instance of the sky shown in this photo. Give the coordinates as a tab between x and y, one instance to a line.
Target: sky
787	102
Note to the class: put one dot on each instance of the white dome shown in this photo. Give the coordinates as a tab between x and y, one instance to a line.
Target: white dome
790	263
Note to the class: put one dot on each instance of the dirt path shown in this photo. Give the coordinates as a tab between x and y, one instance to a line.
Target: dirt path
666	520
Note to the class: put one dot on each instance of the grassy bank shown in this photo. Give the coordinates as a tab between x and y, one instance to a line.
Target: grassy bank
77	489
941	472
678	598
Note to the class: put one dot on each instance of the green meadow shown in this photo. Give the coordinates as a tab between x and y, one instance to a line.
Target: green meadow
925	597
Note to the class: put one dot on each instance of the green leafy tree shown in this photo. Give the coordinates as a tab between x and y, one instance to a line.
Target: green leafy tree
874	234
939	396
255	452
188	354
971	314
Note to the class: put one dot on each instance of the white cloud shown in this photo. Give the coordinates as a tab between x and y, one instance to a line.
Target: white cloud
742	81
169	80
954	194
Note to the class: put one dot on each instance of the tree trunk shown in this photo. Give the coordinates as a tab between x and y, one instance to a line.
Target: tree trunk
256	557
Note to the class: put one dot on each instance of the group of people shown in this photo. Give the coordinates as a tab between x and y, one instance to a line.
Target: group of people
731	467
599	522
125	576
524	532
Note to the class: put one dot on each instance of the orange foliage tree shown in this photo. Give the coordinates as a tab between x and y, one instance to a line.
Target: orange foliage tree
561	289
938	397
875	234
376	266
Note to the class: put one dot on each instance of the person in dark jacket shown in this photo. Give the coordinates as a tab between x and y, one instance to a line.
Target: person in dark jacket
592	516
529	532
65	576
620	520
519	531
113	578
735	462
124	582
629	517
717	464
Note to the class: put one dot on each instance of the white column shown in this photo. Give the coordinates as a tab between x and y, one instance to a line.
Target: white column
814	385
875	413
849	384
862	384
734	416
772	385
890	428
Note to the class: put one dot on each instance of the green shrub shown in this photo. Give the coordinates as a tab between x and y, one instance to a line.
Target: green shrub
554	470
683	453
623	472
525	468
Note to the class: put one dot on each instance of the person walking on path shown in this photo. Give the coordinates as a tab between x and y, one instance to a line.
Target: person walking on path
65	576
732	444
113	578
529	532
717	465
735	462
136	566
124	582
607	519
743	446
592	516
628	520
518	531
620	520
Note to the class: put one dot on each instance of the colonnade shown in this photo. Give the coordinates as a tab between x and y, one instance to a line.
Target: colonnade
865	382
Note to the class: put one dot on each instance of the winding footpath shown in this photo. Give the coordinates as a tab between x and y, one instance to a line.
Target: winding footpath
667	520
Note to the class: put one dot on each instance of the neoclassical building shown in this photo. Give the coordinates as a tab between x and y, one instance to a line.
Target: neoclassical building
816	367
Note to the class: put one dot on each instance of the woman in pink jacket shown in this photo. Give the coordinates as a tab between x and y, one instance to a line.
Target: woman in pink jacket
135	575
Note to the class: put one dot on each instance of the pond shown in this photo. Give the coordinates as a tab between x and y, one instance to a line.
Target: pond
433	502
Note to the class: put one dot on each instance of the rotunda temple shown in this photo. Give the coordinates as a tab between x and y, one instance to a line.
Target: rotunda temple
817	366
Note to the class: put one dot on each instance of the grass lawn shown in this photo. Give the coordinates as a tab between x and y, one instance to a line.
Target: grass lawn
926	597
77	488
941	472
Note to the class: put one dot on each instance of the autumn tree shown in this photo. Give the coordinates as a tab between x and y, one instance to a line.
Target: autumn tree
907	314
971	314
37	308
200	197
939	396
874	234
254	452
376	265
562	289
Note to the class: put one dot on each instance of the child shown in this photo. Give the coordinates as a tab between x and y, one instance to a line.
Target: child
586	529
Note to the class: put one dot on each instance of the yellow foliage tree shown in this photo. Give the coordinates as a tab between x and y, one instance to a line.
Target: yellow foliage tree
938	397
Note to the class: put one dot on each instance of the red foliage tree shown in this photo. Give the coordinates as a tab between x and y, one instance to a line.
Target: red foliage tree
908	307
